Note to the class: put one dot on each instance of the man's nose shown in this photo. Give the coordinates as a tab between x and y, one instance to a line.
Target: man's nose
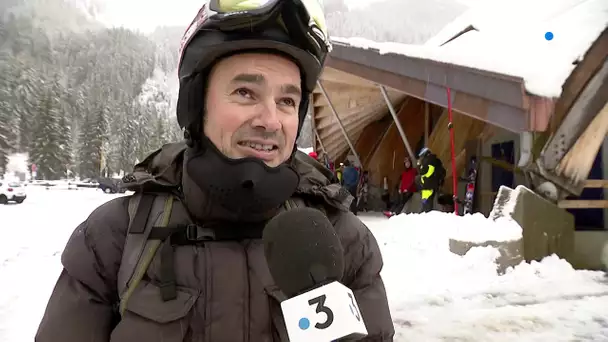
268	117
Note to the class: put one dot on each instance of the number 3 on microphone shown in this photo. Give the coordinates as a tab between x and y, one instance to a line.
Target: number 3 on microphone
321	308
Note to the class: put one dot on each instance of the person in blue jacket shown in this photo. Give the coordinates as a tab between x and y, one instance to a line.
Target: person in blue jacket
350	180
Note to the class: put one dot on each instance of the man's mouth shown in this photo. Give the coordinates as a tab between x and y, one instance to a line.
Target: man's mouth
259	146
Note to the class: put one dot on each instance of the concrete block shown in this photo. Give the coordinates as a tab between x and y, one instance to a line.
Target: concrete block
589	248
511	252
547	229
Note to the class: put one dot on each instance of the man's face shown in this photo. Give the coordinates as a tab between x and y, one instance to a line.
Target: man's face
252	104
407	163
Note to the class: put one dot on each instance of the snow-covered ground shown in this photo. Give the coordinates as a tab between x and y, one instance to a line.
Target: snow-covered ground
434	295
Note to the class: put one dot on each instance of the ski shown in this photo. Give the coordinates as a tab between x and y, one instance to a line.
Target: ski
469	198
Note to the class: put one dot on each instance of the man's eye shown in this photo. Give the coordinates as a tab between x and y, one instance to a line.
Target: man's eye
244	92
288	102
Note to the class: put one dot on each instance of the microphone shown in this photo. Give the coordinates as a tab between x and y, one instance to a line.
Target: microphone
306	261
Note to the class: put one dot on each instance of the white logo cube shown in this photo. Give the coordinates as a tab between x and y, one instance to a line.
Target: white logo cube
324	314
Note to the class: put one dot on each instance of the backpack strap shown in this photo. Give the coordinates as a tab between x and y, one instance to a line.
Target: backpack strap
139	250
297	202
293	203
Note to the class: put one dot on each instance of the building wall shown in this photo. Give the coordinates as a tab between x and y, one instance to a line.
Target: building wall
486	197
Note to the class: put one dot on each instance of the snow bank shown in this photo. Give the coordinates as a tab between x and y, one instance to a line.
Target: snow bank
420	245
436	295
476	229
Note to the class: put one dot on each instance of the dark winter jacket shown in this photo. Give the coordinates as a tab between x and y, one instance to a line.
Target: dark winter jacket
431	172
350	176
225	291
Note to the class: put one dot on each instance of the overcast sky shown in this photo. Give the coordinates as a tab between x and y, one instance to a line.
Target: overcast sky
145	15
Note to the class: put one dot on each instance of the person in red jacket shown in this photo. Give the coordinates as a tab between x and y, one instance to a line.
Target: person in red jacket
407	187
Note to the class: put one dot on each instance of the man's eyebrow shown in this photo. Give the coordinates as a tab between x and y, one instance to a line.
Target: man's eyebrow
249	78
291	89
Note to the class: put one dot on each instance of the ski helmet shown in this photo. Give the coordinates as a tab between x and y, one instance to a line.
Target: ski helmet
424	152
293	28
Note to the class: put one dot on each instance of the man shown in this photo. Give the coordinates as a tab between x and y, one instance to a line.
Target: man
339	172
431	175
185	260
407	187
351	181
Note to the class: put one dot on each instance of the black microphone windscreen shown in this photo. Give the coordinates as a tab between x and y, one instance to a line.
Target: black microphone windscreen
302	250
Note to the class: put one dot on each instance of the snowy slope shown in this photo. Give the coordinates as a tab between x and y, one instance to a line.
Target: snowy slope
434	295
510	39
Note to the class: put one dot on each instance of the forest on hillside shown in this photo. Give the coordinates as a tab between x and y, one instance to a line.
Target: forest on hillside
83	99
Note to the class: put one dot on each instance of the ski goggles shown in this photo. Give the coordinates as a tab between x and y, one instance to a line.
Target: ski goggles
303	19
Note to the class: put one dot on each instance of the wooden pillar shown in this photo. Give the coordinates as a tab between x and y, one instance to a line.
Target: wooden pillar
426	123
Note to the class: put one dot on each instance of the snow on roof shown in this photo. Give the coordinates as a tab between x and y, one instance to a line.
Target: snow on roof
509	38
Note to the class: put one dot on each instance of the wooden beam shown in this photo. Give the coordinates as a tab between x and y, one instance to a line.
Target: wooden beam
465	128
334	75
381	161
596	183
426	123
577	163
370	112
502	164
583	204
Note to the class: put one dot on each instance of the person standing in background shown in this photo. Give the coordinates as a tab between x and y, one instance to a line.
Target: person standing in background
430	178
339	173
407	187
350	181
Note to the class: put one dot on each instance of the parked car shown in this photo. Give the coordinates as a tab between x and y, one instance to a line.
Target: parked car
86	183
110	185
11	192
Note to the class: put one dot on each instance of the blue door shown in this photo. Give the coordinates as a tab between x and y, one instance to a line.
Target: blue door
505	152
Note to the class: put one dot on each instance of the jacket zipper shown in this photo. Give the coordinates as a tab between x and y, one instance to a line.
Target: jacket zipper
247	306
198	328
